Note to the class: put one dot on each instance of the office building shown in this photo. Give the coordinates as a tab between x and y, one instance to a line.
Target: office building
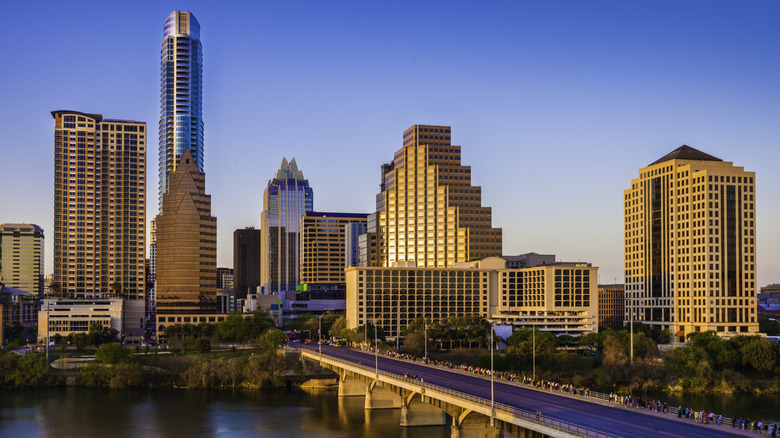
99	205
690	248
224	278
352	233
323	245
528	260
181	95
17	307
65	316
285	201
612	307
21	257
186	244
559	297
246	261
429	212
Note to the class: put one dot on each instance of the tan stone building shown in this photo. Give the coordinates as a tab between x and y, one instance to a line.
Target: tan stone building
323	245
690	245
186	244
99	205
21	257
429	212
560	297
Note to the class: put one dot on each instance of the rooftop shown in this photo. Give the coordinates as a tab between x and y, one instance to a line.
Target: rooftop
686	152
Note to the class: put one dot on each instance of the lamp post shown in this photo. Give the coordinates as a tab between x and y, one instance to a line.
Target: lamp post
376	350
533	337
319	336
425	324
631	329
492	398
47	336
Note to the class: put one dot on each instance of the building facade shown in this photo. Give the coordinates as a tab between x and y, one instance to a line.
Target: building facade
429	212
352	233
99	205
181	95
224	278
286	199
246	261
612	308
690	248
559	298
21	257
186	244
65	316
323	245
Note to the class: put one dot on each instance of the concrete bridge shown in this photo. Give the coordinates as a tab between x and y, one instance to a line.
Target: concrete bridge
425	404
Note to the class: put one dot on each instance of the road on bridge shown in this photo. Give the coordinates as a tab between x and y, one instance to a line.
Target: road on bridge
608	418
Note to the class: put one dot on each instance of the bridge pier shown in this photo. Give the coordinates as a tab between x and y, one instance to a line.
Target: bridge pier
470	424
416	412
349	387
381	398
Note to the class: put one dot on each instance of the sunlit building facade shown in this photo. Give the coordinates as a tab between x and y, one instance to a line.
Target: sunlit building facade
99	205
21	257
690	245
429	212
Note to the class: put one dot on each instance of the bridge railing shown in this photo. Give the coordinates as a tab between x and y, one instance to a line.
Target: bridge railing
529	415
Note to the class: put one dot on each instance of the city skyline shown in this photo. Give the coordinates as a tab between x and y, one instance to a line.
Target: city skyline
555	107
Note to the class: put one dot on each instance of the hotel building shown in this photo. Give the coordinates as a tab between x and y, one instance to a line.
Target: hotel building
690	248
99	205
558	297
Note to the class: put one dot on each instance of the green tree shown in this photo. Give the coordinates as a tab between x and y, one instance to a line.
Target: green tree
760	353
202	345
30	371
112	353
338	325
271	339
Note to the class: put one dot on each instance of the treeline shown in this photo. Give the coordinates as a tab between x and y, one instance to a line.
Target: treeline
118	367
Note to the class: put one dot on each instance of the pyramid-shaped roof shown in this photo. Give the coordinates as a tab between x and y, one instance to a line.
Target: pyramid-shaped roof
686	152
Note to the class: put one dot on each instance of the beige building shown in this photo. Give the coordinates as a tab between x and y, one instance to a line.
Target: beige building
612	309
65	316
186	244
560	297
99	205
323	245
690	248
21	257
429	212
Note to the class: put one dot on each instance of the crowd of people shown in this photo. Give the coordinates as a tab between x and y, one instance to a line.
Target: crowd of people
701	417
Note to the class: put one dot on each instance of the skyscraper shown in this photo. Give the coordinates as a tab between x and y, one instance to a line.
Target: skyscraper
21	257
99	205
690	250
285	200
186	244
181	95
429	212
246	261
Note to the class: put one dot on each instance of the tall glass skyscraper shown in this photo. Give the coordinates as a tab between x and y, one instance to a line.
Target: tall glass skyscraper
181	95
286	199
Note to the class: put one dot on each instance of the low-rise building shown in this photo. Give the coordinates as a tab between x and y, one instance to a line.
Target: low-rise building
558	297
17	307
65	315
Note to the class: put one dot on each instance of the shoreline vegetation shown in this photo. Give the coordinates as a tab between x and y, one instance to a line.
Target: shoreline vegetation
707	364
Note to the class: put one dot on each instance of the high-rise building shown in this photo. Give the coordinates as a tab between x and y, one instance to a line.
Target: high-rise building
353	231
690	249
186	244
612	309
224	279
181	95
246	261
99	205
323	245
21	257
285	200
429	212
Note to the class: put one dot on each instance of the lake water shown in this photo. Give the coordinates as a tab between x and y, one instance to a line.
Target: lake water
79	412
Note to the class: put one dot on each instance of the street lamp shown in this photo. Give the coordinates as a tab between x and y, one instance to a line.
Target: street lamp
533	337
492	398
376	350
425	324
319	336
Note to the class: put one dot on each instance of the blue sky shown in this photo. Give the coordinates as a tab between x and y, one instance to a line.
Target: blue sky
556	104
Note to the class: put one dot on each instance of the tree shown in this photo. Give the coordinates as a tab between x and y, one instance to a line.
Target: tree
116	288
759	353
339	325
271	339
112	353
202	345
55	288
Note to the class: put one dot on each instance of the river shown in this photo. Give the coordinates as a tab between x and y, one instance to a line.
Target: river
79	412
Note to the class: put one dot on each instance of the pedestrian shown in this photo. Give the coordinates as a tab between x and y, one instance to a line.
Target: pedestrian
538	414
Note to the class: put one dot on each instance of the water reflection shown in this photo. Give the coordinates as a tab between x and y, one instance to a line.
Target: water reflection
90	413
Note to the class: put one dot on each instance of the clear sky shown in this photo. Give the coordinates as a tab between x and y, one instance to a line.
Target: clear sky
556	104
